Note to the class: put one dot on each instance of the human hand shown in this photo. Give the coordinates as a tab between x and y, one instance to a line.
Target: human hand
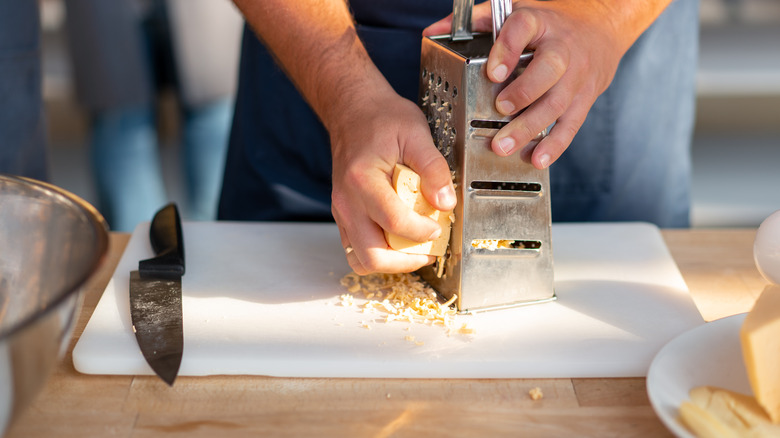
384	131
371	128
577	47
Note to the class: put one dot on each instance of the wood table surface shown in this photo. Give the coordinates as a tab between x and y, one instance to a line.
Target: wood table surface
716	264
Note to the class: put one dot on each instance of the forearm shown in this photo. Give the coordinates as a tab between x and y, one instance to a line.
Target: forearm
629	19
317	45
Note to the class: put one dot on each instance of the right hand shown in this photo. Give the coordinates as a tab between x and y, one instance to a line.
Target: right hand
371	128
383	130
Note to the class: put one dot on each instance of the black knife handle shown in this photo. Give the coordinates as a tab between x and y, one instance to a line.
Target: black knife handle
168	244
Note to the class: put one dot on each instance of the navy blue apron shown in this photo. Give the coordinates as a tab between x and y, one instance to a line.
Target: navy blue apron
629	161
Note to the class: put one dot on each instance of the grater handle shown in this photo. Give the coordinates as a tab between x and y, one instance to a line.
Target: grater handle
461	20
500	10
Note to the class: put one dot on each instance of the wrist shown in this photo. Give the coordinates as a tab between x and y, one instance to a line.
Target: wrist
629	20
358	96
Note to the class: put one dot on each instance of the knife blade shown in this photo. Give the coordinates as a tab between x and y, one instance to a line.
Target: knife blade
155	296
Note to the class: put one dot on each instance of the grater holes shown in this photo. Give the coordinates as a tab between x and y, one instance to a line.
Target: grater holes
437	106
454	92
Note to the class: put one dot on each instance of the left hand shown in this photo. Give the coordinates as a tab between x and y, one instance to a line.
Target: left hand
577	48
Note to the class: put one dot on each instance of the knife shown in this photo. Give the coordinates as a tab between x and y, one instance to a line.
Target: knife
155	296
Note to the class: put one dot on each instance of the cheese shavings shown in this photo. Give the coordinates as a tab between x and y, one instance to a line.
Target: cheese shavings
491	244
402	297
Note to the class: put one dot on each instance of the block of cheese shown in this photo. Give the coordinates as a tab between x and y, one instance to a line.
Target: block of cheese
406	183
719	412
702	422
760	339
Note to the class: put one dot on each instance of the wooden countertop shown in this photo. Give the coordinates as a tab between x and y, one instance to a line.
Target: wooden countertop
716	264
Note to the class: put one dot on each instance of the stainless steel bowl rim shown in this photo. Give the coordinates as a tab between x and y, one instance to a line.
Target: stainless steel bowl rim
98	223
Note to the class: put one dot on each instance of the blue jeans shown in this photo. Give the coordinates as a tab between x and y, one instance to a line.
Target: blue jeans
129	177
128	171
22	125
630	161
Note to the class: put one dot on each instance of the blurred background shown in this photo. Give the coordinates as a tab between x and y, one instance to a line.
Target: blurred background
736	149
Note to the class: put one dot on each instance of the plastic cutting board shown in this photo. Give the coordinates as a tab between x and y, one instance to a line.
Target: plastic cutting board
263	299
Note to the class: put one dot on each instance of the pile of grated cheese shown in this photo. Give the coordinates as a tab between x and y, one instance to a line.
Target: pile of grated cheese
403	297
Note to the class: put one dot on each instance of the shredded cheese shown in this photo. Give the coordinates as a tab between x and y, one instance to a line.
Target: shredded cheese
403	297
466	330
491	244
346	300
536	393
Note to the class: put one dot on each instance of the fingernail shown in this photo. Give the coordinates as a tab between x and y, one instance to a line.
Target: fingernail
446	197
501	72
544	160
506	144
435	234
505	107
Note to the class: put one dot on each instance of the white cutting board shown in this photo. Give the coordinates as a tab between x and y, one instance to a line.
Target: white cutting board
263	299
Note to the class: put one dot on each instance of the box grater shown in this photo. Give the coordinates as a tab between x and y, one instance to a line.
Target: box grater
502	201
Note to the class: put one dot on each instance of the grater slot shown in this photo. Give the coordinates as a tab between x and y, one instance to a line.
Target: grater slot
506	185
486	128
505	189
488	124
505	248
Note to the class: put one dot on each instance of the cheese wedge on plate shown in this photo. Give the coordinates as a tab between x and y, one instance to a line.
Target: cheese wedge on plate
718	413
760	339
407	183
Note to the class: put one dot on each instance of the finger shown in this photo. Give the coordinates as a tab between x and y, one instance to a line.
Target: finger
516	34
342	232
392	262
538	116
562	134
527	126
371	253
435	176
481	22
355	264
482	18
440	27
546	69
349	251
386	209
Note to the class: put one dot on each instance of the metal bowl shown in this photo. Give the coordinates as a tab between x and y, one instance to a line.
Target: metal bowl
51	242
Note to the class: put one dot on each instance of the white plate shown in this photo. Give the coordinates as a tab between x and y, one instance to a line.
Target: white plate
710	354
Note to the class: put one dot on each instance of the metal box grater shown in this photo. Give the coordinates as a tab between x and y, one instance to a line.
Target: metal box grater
499	198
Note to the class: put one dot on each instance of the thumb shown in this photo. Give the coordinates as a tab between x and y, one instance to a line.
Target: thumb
435	176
